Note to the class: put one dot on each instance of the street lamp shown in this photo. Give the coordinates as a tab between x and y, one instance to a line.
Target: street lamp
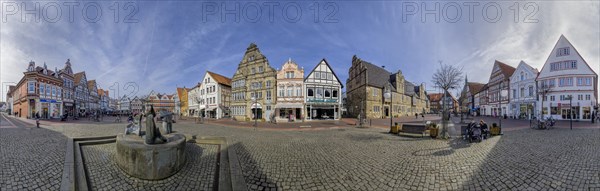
503	93
255	110
570	98
388	95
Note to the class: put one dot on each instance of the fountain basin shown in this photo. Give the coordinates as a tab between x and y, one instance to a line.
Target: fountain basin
150	162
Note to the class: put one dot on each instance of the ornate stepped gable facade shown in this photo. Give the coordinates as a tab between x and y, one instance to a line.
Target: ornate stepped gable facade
365	90
254	78
566	73
323	93
290	93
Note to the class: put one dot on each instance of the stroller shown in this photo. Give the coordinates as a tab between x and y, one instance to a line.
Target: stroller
474	133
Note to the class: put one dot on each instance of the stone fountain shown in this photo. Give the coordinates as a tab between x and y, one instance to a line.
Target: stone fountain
149	155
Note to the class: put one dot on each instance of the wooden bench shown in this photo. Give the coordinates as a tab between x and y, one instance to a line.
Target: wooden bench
413	130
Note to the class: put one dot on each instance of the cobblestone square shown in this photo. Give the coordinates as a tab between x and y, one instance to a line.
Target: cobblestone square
344	158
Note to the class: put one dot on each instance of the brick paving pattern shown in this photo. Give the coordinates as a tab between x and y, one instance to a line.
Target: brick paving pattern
197	174
344	158
31	159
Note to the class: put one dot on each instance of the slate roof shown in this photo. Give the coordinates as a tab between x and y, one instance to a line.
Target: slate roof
376	76
220	78
409	88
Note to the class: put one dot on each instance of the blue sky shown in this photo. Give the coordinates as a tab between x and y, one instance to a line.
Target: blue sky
173	43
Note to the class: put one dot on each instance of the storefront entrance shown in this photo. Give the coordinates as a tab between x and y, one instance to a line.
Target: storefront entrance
256	113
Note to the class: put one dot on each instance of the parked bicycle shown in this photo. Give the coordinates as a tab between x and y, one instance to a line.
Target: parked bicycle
546	124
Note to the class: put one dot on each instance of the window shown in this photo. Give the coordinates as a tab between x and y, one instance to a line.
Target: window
579	97
53	90
514	94
268	84
565	81
563	51
310	92
328	93
552	98
587	97
563	65
48	89
253	71
299	92
522	92
374	93
522	76
289	75
269	95
42	89
289	92
324	76
319	92
530	91
281	92
317	75
335	93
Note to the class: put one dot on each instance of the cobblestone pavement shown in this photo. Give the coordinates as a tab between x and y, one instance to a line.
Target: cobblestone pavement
30	158
197	174
370	159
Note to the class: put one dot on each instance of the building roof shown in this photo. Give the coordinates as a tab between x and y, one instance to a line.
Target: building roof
376	76
78	77
91	84
435	97
475	87
220	78
506	69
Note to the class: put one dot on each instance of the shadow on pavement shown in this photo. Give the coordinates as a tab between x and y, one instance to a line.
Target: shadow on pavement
253	173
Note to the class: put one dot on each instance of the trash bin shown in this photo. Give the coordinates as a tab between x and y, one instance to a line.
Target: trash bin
394	129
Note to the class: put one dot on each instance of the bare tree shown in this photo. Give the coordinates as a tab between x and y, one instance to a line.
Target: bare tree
446	77
543	90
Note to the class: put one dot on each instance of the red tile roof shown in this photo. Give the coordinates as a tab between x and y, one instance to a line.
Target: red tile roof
220	78
506	69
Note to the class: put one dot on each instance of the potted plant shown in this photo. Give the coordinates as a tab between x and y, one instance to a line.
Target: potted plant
495	129
433	130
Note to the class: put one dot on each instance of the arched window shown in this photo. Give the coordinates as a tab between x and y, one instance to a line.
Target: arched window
522	76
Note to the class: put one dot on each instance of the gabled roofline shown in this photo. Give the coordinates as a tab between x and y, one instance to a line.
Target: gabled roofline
554	47
332	71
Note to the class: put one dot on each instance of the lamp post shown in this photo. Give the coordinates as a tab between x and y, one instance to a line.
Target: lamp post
503	93
388	95
255	110
570	98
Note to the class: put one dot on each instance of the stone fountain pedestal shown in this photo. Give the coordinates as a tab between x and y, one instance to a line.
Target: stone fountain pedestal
150	162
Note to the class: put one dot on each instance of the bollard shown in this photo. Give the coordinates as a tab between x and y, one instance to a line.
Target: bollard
37	122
